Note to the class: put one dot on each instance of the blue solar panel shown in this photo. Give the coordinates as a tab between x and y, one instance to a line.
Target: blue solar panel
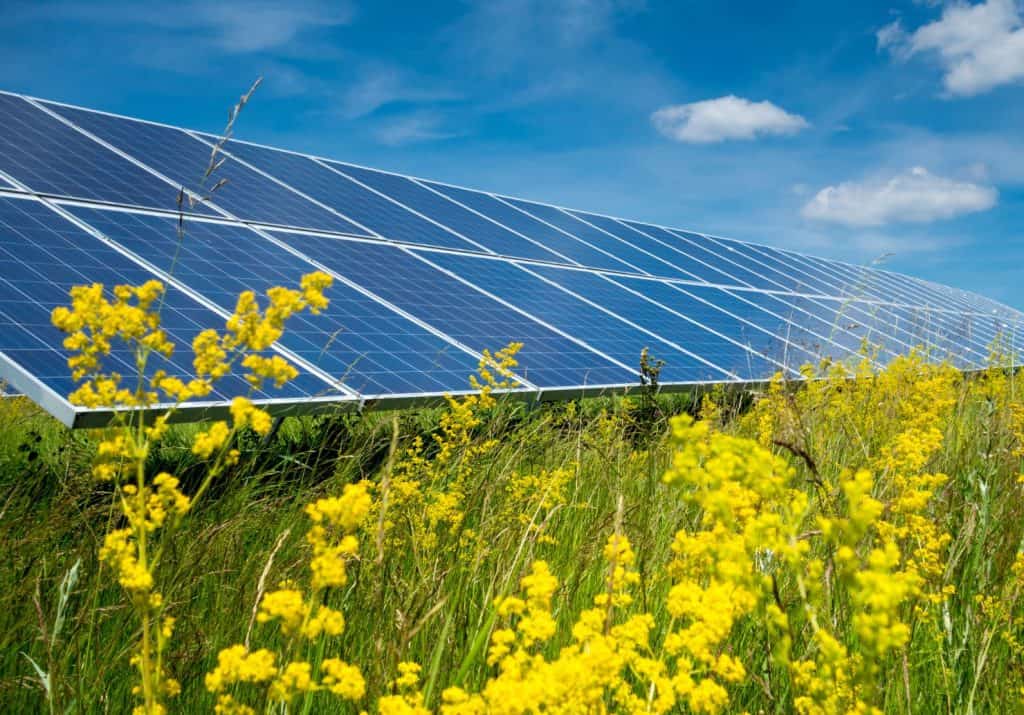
934	331
50	157
643	262
438	274
371	210
789	276
692	333
372	349
488	234
762	332
42	256
572	249
787	307
703	250
547	359
690	266
184	159
613	337
796	327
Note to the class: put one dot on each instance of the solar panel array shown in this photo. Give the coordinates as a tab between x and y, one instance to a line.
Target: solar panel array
427	275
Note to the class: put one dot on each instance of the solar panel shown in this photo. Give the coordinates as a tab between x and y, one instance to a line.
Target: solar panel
636	258
488	235
47	156
458	309
378	214
184	159
571	248
355	340
685	324
574	314
42	256
702	249
427	276
690	266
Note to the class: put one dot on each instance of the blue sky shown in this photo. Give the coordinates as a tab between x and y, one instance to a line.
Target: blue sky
851	130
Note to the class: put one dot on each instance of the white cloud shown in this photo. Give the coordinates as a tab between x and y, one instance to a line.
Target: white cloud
891	37
380	85
412	129
257	27
980	46
228	26
916	196
730	117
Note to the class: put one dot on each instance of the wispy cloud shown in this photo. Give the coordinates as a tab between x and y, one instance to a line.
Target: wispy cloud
502	36
979	46
412	129
379	85
230	27
915	196
729	117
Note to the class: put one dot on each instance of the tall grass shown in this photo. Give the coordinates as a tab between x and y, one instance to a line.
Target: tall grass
66	632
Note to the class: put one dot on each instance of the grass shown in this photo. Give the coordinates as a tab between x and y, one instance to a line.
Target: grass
431	603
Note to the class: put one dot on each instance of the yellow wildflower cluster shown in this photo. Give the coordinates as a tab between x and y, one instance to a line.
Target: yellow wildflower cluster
884	553
334	521
750	520
130	316
610	659
429	484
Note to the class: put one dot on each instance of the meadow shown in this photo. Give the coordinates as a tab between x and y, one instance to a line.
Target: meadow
847	543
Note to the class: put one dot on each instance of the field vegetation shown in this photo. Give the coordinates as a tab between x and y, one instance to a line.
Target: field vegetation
848	543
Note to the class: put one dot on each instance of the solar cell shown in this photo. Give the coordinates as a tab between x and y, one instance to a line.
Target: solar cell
701	249
185	159
50	157
691	267
571	248
613	336
791	276
754	272
42	256
406	280
686	323
642	260
377	213
934	331
786	344
490	235
357	340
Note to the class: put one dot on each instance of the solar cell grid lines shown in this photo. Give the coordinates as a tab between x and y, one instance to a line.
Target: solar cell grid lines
370	348
42	256
692	329
574	250
49	157
375	214
469	225
613	335
427	276
245	193
636	257
469	315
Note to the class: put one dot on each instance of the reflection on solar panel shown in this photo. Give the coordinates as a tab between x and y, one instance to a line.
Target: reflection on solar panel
427	276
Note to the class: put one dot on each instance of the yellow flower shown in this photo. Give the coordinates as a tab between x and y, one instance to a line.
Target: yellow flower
286	605
342	679
210	440
245	414
237	665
